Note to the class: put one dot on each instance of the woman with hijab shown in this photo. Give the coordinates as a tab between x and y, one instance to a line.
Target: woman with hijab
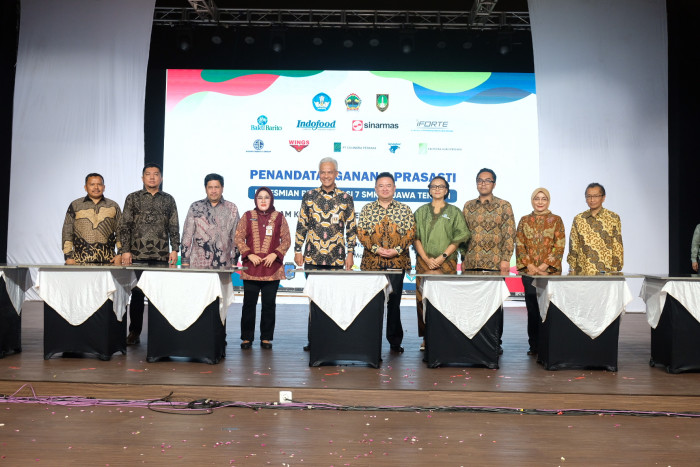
539	247
263	238
440	228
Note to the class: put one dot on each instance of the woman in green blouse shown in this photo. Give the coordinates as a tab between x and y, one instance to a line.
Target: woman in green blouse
440	228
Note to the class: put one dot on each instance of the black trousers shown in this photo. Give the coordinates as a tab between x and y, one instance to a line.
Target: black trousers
268	291
136	304
534	320
394	329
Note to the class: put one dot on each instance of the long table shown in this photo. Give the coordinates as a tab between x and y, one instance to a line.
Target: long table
85	306
581	319
463	318
346	315
14	281
673	313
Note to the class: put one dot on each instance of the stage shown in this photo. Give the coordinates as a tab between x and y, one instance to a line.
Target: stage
402	379
402	413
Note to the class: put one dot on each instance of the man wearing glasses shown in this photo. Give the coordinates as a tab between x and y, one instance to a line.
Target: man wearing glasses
386	229
595	243
492	225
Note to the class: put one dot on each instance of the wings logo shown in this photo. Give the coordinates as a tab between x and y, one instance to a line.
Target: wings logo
357	125
299	144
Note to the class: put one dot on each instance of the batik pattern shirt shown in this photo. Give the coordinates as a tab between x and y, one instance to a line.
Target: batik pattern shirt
595	244
208	235
695	245
540	239
492	226
148	224
90	230
323	219
391	227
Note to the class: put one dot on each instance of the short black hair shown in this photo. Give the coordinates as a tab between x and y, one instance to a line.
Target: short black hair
152	165
385	175
211	177
94	174
596	185
447	184
493	174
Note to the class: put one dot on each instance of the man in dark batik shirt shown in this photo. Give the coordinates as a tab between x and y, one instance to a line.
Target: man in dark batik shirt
326	220
90	227
149	224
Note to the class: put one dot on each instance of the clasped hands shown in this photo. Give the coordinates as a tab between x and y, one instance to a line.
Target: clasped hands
267	260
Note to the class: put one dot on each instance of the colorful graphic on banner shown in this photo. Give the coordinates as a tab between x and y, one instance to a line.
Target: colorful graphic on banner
271	128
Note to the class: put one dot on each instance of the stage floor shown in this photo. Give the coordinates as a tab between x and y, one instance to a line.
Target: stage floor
402	379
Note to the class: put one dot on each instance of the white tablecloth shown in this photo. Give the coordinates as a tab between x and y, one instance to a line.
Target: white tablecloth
76	295
590	304
17	281
182	296
654	292
468	304
342	297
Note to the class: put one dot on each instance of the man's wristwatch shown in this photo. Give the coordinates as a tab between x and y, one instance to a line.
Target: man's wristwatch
444	255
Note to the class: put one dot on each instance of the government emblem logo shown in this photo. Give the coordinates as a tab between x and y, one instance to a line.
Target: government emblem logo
357	125
321	102
258	145
382	102
353	101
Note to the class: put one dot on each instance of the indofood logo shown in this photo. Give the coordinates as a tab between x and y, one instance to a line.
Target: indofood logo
359	125
263	126
321	102
299	144
353	101
315	125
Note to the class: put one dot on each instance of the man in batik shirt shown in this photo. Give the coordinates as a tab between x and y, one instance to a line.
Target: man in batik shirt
326	227
595	243
90	227
492	225
210	228
386	229
150	233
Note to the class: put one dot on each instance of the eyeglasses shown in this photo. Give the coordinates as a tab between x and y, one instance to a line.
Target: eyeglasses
437	187
594	196
481	181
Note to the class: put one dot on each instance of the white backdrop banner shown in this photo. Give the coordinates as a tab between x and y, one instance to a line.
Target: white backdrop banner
602	102
78	108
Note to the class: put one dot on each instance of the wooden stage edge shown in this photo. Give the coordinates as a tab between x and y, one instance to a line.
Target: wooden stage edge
359	397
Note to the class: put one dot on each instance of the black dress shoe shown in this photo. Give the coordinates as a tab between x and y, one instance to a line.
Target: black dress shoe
266	345
133	339
306	348
246	345
397	348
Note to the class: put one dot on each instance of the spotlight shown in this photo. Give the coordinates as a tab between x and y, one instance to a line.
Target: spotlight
467	45
407	45
184	41
347	43
374	42
504	49
277	42
441	45
249	40
317	41
216	39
